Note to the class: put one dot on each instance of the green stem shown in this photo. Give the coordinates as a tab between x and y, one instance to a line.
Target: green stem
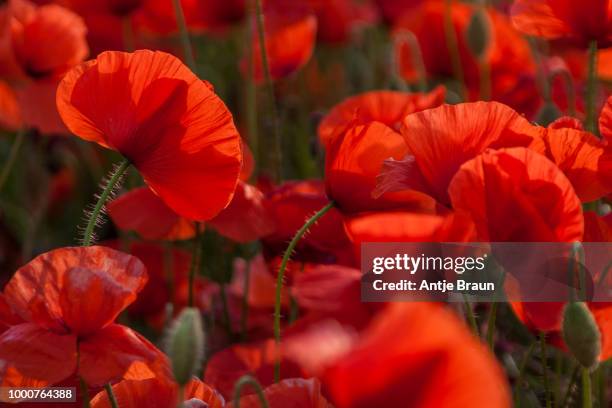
453	48
111	396
84	393
128	34
114	179
545	369
470	316
184	35
521	376
587	399
281	276
12	158
591	90
485	79
491	326
249	380
570	387
276	152
195	259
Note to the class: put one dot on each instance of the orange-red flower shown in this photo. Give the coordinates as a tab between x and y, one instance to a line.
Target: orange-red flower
291	392
68	299
511	63
169	124
159	393
338	20
360	134
411	354
291	32
578	23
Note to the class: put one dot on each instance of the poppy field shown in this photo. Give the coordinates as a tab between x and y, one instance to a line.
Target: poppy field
186	188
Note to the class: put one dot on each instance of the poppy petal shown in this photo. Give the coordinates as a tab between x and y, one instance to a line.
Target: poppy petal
37	353
605	121
517	195
538	18
292	392
143	211
81	288
10	113
117	352
168	123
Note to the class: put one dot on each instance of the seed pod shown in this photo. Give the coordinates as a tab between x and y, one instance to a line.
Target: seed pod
478	33
581	334
185	345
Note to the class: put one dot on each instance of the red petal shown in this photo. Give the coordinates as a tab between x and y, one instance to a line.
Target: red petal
517	195
153	110
293	392
605	121
10	113
37	353
142	211
81	288
117	352
245	219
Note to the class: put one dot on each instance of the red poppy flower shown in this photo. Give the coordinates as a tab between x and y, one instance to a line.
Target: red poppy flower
338	20
141	210
292	392
440	140
226	366
69	299
171	126
605	120
511	63
517	195
393	9
565	20
40	42
10	113
291	32
411	354
386	107
158	393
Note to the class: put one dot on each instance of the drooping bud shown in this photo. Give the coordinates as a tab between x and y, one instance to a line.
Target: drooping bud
548	113
581	334
185	345
478	33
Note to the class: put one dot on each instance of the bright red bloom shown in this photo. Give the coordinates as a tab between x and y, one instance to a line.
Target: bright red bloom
10	113
338	20
360	134
517	195
511	63
292	392
440	140
68	299
605	121
40	42
170	125
578	23
158	393
411	354
141	210
291	33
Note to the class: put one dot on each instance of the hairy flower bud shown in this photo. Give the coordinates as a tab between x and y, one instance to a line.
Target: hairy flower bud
185	345
581	334
478	33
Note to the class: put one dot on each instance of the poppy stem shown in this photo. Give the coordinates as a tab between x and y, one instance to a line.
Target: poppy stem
470	316
12	158
84	393
114	180
111	396
281	276
591	90
276	151
184	35
249	380
491	326
544	360
587	399
195	260
453	48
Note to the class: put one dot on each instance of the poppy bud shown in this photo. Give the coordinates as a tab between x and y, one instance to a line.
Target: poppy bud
581	334
547	114
185	345
478	34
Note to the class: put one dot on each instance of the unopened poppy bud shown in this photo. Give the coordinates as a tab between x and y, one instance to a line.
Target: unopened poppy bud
581	334
547	114
185	345
478	33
